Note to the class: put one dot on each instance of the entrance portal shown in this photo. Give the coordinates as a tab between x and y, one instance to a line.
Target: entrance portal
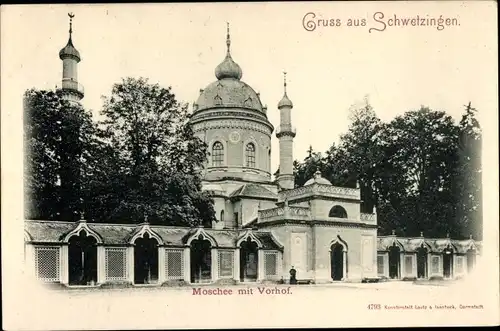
249	258
394	262
337	261
448	263
421	262
82	259
201	261
145	260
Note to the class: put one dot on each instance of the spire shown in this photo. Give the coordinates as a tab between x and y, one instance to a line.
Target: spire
71	15
284	81
285	101
228	41
69	51
228	68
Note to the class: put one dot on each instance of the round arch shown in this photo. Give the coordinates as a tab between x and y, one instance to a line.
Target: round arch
337	211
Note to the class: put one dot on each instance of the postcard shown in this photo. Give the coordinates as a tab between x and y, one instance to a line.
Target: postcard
249	165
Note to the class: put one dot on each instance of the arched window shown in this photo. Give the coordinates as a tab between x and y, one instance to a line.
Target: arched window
217	154
221	216
338	212
250	155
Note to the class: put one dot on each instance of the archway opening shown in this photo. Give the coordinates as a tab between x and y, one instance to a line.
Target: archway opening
394	262
337	261
146	260
337	212
249	260
471	259
201	260
448	263
422	262
82	259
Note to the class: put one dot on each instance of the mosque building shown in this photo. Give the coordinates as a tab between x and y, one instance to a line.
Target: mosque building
264	227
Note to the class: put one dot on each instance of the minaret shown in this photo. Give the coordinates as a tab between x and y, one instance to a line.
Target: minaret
72	90
285	134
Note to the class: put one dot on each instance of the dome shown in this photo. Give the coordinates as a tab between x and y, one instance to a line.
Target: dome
285	102
229	92
317	179
69	51
228	69
213	187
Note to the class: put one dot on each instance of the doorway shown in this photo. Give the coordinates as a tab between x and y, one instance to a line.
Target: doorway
82	259
249	261
201	261
337	261
394	262
146	260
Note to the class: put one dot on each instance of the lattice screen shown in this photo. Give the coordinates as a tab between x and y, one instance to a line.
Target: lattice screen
226	261
47	263
270	264
380	264
435	264
116	263
174	264
408	265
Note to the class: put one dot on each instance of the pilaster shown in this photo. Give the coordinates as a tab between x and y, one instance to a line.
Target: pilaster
63	265
187	265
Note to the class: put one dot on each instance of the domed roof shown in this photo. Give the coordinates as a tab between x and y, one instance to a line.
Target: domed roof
285	102
228	69
69	51
317	179
213	187
228	92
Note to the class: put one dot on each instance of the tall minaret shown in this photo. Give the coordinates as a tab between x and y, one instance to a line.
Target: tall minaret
285	135
72	90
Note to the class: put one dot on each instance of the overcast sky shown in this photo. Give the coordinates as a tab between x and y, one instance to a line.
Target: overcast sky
329	69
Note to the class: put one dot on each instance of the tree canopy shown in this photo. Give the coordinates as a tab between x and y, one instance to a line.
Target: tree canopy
140	162
421	170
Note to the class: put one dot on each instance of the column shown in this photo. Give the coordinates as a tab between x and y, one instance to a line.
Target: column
29	265
130	264
236	265
429	265
344	262
401	265
187	265
63	264
215	264
161	265
386	264
101	264
279	267
260	265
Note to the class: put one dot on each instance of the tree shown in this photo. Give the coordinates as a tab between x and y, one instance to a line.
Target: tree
56	136
360	153
155	161
468	188
303	171
419	158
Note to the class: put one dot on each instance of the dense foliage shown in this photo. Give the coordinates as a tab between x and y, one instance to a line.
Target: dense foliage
141	162
421	170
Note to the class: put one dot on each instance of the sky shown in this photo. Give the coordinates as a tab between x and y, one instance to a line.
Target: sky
329	68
